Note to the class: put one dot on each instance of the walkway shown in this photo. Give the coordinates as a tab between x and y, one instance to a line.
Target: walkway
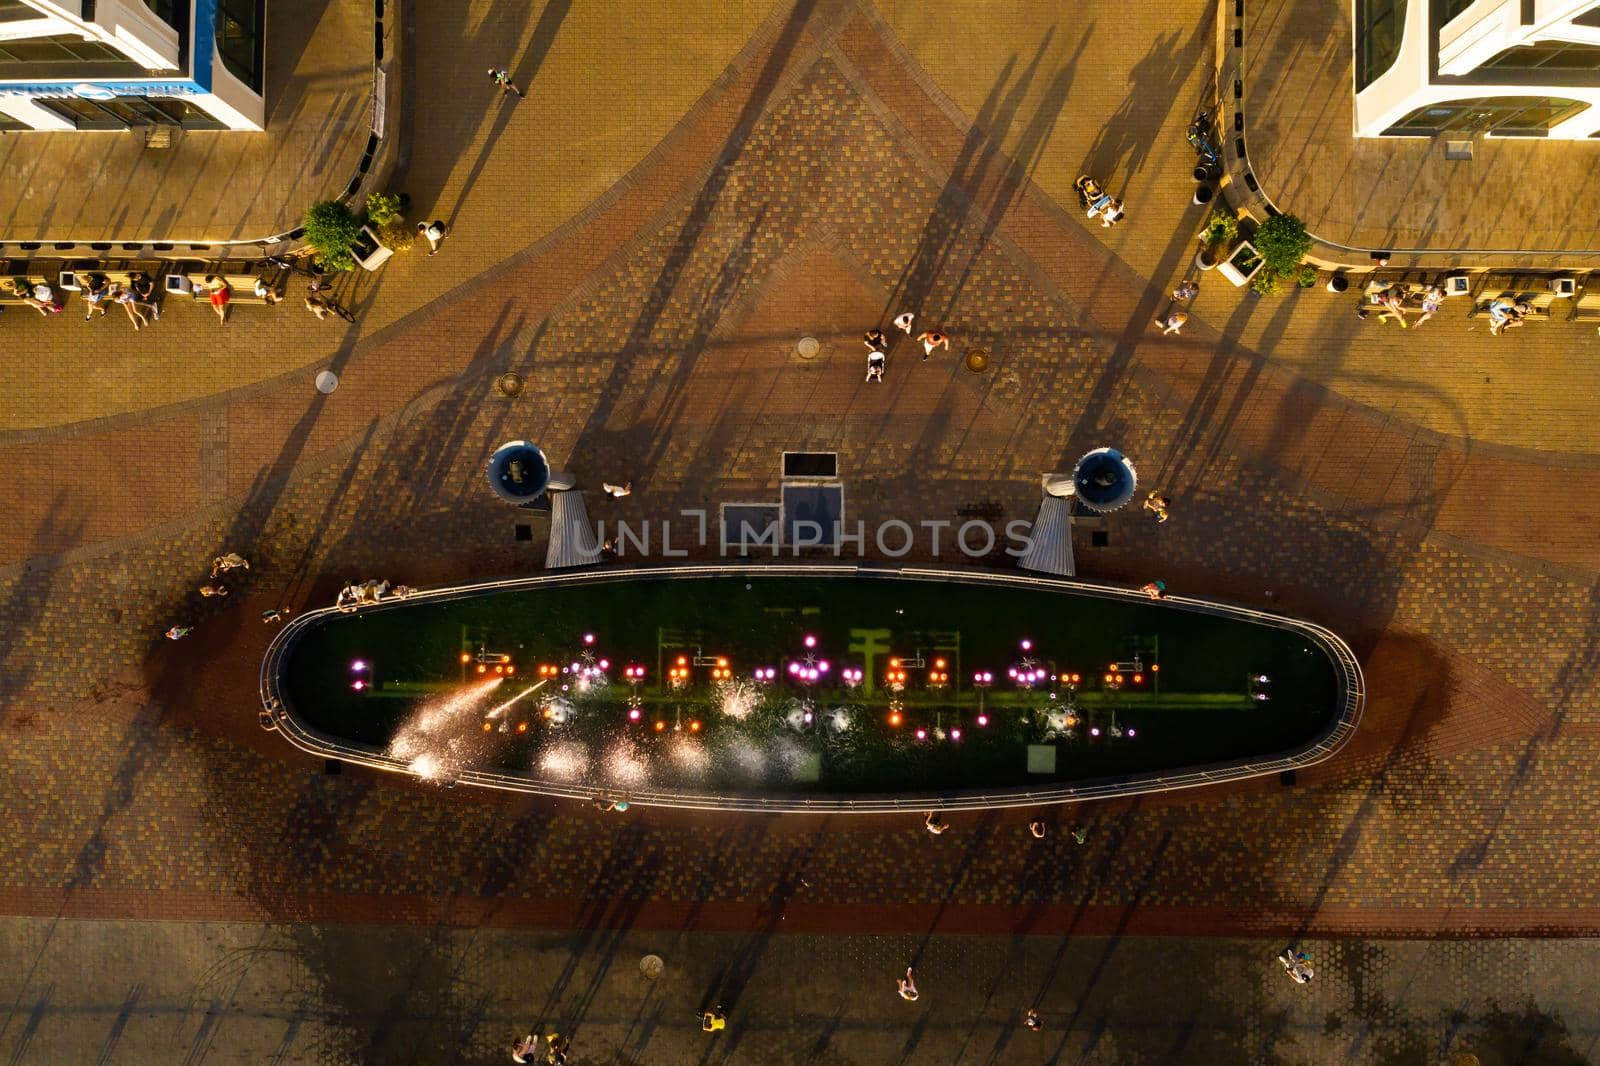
822	182
312	994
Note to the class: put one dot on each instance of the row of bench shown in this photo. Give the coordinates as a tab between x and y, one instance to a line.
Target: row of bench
1539	291
191	283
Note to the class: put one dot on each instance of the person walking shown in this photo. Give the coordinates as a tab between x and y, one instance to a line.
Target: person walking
616	492
1174	321
231	561
714	1020
1038	829
1186	291
209	591
908	986
1156	590
934	823
1080	833
875	364
902	322
1112	214
1157	503
179	632
274	614
933	339
875	340
435	232
1031	1020
1297	965
502	78
522	1049
323	306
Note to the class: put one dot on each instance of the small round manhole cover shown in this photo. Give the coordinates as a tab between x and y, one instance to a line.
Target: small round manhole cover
651	966
808	348
977	360
327	381
509	384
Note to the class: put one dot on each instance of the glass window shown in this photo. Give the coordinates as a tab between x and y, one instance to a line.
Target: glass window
17	11
1379	26
64	56
1547	55
163	10
83	114
240	38
1504	116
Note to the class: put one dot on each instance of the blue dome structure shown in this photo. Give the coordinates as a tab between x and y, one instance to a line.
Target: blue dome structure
519	473
1104	480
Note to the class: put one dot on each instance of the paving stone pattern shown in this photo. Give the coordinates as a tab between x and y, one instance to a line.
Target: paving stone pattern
141	785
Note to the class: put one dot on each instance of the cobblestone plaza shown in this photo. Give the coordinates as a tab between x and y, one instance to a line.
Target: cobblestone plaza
682	194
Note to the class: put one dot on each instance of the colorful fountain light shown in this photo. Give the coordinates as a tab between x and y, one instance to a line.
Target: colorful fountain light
852	676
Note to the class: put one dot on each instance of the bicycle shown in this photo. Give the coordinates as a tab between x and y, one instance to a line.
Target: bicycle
1202	141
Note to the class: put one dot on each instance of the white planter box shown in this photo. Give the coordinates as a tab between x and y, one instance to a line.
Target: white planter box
1229	267
374	259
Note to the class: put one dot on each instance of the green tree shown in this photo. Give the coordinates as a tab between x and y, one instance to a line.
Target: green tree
332	229
1283	242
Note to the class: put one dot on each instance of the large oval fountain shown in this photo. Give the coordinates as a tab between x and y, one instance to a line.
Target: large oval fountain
817	687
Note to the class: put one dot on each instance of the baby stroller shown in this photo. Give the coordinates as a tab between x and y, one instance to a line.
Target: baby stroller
1099	202
1091	195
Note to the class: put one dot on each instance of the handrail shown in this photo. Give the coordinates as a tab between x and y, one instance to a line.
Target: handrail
1351	681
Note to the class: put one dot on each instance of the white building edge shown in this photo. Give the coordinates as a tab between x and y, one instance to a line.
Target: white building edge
116	65
1498	68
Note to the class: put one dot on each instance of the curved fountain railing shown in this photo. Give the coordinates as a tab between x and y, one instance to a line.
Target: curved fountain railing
1352	697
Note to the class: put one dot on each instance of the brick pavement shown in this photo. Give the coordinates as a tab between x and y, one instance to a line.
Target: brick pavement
1463	806
240	992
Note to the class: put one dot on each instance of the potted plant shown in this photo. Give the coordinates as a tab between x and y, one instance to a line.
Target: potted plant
333	229
1220	231
1280	245
386	213
1242	265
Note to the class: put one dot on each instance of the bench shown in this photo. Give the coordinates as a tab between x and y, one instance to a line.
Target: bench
243	285
1586	308
7	296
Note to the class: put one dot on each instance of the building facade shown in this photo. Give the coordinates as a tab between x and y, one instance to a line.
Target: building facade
119	65
1463	68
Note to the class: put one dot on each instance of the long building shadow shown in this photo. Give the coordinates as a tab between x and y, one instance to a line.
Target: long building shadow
685	244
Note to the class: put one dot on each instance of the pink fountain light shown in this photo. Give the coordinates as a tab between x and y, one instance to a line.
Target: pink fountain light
588	638
955	734
983	719
810	641
922	734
